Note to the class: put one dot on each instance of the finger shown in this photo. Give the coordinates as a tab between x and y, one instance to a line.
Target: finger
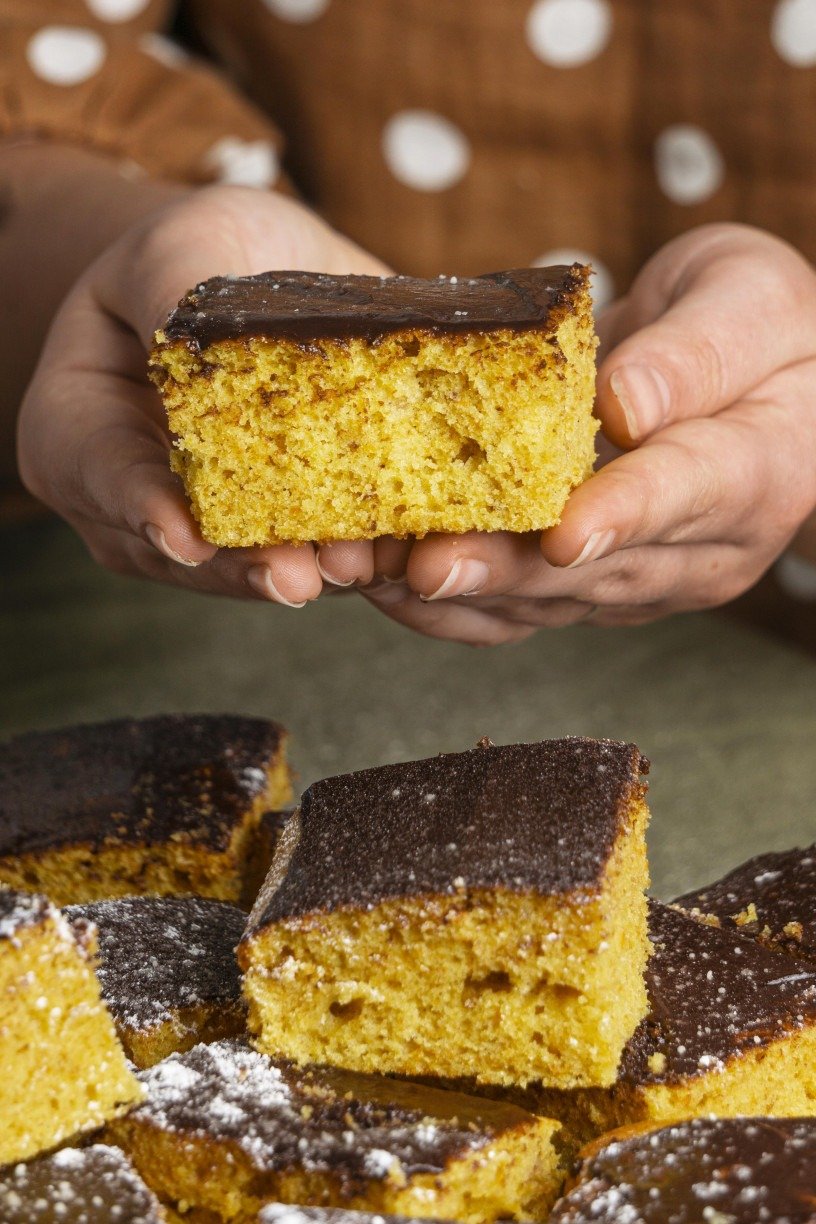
391	557
443	567
451	622
736	313
745	475
343	563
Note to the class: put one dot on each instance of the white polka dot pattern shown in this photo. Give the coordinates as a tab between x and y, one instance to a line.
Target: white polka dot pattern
793	32
298	11
117	10
566	33
424	150
244	163
688	164
797	577
65	55
601	284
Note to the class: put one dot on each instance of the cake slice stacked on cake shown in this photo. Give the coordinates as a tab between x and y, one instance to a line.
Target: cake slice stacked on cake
477	914
312	407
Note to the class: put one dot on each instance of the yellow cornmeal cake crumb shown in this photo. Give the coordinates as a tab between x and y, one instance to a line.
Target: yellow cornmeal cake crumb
172	804
309	407
168	971
478	914
63	1070
731	1030
224	1129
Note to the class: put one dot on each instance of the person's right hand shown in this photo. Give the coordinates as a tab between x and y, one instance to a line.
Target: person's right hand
92	439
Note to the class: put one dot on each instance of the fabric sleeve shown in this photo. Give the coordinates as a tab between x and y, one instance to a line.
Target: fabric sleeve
100	73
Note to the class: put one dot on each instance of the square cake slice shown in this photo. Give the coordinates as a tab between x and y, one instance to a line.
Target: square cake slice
63	1070
225	1130
476	914
168	971
312	407
709	1170
93	1185
170	804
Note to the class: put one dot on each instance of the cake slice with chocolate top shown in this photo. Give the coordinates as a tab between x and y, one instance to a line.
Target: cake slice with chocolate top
705	1171
772	897
165	805
476	914
313	407
168	971
62	1069
225	1130
93	1185
731	1030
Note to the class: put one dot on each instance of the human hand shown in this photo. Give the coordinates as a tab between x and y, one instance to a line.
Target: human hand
708	383
92	439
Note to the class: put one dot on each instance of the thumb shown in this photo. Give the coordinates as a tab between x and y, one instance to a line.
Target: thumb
725	323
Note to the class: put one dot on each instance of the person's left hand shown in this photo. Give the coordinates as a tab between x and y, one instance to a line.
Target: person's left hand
709	383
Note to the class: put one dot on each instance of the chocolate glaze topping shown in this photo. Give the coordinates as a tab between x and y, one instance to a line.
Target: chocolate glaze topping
722	1170
357	1128
19	909
782	887
714	995
133	781
304	306
160	954
285	1213
94	1185
525	817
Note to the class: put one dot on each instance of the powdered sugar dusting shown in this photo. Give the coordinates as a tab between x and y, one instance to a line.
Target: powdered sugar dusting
94	1185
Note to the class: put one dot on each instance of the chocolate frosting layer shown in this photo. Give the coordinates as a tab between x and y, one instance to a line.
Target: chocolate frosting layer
358	1128
524	817
133	781
782	887
726	1170
94	1185
160	954
714	995
306	306
19	909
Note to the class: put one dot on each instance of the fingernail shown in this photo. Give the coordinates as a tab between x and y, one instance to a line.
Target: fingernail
159	541
643	394
326	576
259	578
466	577
598	545
387	592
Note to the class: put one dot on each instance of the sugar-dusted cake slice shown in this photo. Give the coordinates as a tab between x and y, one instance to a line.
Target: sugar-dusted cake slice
731	1030
312	407
705	1171
168	971
63	1069
161	805
290	1213
480	913
225	1129
772	897
93	1185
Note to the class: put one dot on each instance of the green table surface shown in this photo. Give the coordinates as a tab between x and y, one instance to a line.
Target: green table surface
728	717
